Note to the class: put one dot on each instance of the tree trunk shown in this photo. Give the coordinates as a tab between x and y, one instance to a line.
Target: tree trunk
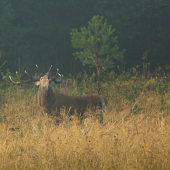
98	74
98	80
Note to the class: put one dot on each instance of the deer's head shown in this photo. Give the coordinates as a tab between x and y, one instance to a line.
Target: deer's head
43	82
46	97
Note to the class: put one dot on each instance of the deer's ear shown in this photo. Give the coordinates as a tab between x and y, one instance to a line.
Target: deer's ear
37	83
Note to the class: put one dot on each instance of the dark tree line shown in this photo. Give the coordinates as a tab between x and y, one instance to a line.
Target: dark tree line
38	31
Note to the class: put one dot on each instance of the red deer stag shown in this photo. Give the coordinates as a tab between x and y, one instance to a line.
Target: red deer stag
49	101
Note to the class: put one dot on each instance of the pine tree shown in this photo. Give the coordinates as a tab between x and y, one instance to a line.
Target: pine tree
96	46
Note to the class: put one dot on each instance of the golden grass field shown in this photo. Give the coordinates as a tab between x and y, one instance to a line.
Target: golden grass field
135	133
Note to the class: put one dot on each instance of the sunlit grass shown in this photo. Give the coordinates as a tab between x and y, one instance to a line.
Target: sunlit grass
135	133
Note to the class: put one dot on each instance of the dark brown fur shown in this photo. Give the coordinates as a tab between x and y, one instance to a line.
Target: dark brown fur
80	103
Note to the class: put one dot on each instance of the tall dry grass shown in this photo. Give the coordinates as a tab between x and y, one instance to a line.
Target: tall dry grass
135	133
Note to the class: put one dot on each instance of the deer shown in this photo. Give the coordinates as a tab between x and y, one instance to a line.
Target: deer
51	102
46	97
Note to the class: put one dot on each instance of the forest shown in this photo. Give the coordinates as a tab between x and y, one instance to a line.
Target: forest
38	32
115	50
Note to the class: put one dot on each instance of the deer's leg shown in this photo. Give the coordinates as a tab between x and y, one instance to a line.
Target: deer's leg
58	110
80	114
67	110
71	110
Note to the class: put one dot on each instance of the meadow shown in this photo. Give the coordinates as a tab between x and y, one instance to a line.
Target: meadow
135	133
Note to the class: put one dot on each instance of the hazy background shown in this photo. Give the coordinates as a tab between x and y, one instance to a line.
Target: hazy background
38	32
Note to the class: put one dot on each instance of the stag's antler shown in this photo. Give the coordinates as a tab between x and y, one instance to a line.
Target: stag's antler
50	68
54	78
31	79
38	71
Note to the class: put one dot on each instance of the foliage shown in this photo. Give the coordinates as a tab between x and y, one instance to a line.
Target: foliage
97	46
127	76
161	87
136	109
12	39
96	41
5	79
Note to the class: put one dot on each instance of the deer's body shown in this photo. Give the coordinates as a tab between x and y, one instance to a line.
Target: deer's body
80	103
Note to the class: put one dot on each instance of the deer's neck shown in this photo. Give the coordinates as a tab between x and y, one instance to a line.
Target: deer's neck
45	97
